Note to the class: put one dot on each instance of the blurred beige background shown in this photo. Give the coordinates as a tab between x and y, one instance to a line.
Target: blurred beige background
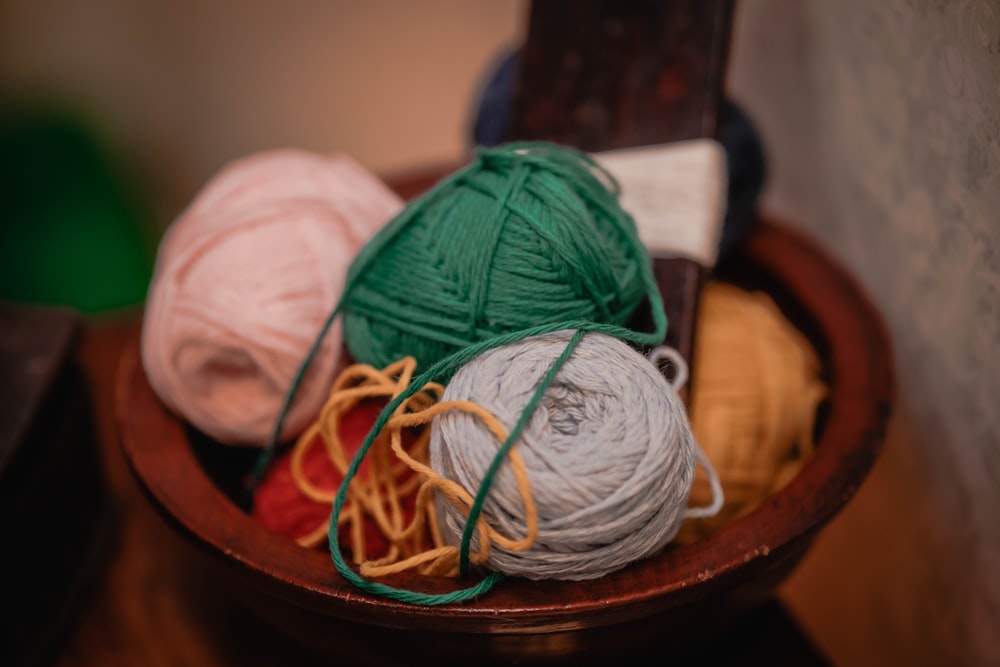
882	122
188	85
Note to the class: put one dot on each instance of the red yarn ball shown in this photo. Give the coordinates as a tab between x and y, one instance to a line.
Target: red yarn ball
282	508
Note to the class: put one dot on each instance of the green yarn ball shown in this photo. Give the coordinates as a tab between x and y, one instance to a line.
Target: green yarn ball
526	235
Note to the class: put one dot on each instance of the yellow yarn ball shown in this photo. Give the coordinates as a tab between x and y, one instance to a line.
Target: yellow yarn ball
755	390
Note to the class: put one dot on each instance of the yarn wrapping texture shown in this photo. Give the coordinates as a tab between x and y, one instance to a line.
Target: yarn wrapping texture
757	384
244	278
608	450
527	234
391	311
754	402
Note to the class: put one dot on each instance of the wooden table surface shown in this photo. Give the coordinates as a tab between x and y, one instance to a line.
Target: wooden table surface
156	602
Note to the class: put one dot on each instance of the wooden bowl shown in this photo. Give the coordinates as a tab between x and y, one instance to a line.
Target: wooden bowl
680	594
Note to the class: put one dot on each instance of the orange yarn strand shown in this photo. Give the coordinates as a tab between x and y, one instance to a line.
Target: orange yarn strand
398	472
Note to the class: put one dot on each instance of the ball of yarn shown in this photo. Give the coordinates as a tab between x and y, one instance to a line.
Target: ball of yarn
280	176
755	393
527	234
244	281
609	455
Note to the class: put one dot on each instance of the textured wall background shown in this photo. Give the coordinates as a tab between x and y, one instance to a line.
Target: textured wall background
882	120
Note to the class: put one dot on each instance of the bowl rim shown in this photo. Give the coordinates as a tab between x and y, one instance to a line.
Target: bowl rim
862	391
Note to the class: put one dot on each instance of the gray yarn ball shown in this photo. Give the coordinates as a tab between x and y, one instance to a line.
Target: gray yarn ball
609	454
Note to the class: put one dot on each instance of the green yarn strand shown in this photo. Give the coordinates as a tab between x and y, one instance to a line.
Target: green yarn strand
446	368
267	453
526	240
501	455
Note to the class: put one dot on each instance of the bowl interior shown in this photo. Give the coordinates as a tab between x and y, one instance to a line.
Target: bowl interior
199	486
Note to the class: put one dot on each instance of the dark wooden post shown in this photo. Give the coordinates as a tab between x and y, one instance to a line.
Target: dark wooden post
605	74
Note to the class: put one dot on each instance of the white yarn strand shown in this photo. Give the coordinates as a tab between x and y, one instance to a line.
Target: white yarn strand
681	374
609	455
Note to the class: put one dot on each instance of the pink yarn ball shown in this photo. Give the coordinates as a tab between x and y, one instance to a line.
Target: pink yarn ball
244	280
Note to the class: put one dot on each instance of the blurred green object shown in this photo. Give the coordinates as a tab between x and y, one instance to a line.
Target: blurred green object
72	229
